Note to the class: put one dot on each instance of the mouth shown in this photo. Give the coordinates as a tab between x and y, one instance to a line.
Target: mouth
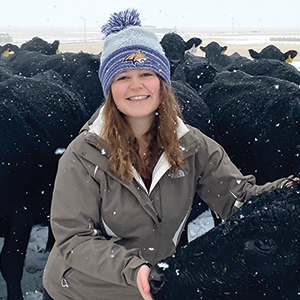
135	98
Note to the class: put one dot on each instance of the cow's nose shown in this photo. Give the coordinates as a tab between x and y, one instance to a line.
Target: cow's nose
175	62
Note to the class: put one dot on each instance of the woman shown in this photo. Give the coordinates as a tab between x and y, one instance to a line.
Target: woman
125	185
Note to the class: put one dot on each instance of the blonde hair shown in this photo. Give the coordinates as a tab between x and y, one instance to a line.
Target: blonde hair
161	137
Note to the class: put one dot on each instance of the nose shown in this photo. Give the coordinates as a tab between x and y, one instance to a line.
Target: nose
136	83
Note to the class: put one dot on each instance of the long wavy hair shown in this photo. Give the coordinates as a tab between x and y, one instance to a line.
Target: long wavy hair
161	137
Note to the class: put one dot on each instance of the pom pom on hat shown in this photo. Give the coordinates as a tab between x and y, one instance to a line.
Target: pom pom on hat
129	46
121	20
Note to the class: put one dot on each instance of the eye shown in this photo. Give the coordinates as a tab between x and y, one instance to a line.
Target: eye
147	74
262	246
121	78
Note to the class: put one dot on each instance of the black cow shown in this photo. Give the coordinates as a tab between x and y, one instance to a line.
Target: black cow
45	100
175	47
267	67
5	72
237	60
194	110
36	44
194	70
79	70
40	45
273	52
252	255
214	52
256	119
39	117
7	49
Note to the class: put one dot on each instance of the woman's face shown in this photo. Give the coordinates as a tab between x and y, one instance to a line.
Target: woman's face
136	93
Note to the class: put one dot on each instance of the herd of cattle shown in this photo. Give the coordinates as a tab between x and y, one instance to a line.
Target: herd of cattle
250	106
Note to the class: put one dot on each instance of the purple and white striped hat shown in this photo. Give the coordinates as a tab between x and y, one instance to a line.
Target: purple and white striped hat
127	45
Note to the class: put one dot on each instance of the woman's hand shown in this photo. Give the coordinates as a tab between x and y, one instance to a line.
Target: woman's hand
143	282
290	182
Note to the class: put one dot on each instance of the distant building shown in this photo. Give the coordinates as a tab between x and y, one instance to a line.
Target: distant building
5	38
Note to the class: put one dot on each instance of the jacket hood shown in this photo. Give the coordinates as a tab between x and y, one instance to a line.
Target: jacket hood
97	125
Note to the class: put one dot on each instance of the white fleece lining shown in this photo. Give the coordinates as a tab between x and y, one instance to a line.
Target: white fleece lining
97	125
161	167
139	179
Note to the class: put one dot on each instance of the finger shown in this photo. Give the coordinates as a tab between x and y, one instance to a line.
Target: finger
290	182
146	287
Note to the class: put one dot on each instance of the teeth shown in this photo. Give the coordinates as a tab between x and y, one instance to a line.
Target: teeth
138	98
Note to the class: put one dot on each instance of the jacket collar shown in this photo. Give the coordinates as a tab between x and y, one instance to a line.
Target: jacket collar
162	166
97	125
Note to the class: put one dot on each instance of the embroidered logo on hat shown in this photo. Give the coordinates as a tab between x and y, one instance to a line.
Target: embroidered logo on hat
137	57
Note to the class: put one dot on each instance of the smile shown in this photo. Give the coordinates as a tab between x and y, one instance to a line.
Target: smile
138	97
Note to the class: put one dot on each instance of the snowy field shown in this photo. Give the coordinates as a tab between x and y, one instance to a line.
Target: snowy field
296	64
241	40
36	256
34	264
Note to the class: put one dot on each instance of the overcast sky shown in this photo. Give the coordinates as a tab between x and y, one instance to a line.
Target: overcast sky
160	13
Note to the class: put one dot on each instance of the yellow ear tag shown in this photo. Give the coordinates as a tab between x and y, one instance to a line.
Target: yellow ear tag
289	59
6	53
57	51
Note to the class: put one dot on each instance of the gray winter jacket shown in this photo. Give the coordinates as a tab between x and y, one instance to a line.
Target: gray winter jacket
106	229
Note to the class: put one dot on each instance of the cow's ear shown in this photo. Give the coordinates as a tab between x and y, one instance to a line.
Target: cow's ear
192	42
224	49
254	54
289	55
203	48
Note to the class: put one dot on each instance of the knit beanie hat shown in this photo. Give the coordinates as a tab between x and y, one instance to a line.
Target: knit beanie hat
127	45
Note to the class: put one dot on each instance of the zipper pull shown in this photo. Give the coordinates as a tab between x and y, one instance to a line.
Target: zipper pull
64	283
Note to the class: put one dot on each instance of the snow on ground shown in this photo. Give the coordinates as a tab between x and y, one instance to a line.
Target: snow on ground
296	64
36	256
200	225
